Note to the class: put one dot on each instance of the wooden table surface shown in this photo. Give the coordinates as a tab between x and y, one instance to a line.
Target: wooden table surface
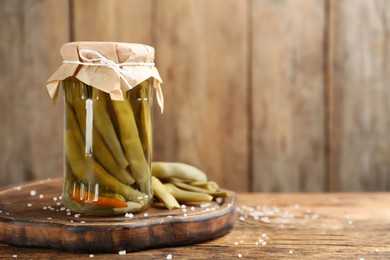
278	226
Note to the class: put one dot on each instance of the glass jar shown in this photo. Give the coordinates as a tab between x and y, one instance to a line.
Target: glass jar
107	141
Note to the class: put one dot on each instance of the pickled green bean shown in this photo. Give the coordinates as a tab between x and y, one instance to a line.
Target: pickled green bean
100	148
104	125
131	142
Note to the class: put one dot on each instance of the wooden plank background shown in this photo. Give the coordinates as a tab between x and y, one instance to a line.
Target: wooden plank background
265	95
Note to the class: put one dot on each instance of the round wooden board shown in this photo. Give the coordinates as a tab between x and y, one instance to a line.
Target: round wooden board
32	215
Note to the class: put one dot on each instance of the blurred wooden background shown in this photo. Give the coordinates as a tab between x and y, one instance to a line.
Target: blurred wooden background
264	95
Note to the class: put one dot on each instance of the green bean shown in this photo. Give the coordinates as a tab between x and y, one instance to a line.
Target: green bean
74	158
131	143
113	184
81	170
189	187
167	170
187	196
104	125
209	185
100	148
145	129
164	196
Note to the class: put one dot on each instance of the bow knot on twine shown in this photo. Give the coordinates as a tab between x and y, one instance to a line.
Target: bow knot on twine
95	58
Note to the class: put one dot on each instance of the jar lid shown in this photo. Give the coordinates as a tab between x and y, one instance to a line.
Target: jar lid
113	67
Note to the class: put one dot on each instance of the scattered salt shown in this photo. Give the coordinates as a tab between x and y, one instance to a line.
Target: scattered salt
140	198
219	200
169	256
14	256
60	197
239	255
123	252
236	243
68	213
49	218
169	216
90	256
184	210
146	214
58	203
185	215
264	243
82	222
55	198
257	243
204	205
18	188
376	250
314	216
29	204
291	252
33	192
62	208
129	215
192	208
361	258
183	206
350	222
242	218
264	235
41	196
76	215
296	206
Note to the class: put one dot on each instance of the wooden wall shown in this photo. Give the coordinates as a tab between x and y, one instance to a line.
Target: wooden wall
264	95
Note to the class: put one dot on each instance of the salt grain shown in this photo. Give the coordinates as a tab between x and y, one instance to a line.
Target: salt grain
91	256
41	196
264	243
82	222
123	252
49	218
239	255
68	213
62	208
184	210
257	243
146	214
18	188
129	215
58	203
377	250
14	256
184	215
236	243
76	215
350	222
192	208
183	206
264	235
33	192
29	204
361	258
169	256
291	252
242	218
219	200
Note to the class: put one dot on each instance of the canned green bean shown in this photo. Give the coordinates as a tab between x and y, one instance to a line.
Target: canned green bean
108	98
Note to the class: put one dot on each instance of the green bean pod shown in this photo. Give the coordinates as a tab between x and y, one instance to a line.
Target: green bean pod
187	196
104	125
131	142
163	194
167	170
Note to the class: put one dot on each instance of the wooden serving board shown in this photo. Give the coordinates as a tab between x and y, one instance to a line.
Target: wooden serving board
32	215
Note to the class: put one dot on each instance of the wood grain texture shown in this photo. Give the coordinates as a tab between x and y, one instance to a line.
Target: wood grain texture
38	219
112	20
288	95
360	96
293	226
202	57
31	126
